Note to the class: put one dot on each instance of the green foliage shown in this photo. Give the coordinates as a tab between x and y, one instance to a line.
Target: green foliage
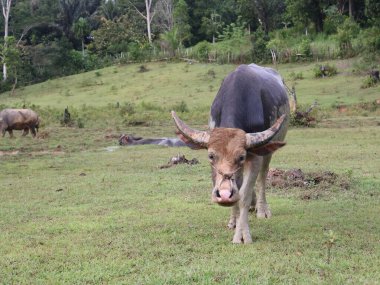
304	47
234	31
372	11
127	109
370	40
212	25
333	20
114	37
260	52
346	33
369	82
324	70
180	107
171	40
296	75
202	50
181	20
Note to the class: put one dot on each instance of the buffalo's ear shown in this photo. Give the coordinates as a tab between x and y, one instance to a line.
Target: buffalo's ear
188	142
267	148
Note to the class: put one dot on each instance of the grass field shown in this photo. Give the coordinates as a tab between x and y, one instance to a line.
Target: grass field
77	209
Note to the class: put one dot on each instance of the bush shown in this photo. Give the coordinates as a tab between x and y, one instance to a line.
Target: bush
369	82
260	52
304	47
201	50
324	70
346	33
296	76
181	107
127	108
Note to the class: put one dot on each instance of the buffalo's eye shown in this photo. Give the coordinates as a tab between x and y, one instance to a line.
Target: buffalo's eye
211	156
241	158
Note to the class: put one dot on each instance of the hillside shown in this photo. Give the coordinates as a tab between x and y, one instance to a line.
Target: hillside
164	85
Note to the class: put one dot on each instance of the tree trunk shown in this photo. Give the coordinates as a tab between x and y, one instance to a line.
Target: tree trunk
14	85
147	4
6	11
149	16
82	48
351	8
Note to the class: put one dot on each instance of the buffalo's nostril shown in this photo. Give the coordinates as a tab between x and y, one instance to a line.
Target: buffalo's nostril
217	194
232	193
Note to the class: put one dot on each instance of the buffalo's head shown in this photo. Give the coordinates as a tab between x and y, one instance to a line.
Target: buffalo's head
229	151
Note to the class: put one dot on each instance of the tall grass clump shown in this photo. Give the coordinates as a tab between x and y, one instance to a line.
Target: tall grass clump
324	70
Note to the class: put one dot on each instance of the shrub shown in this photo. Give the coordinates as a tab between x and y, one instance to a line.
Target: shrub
369	82
304	47
211	73
260	53
181	107
201	50
324	70
127	108
346	33
296	76
151	106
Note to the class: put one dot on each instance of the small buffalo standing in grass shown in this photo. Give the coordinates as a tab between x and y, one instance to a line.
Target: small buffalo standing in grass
19	119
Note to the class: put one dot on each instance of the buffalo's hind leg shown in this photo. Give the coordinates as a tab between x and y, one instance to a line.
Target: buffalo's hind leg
33	131
262	208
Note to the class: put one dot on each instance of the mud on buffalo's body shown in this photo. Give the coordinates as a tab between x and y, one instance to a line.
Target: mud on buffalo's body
19	119
248	122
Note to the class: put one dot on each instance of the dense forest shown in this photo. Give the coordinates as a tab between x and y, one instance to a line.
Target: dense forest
45	39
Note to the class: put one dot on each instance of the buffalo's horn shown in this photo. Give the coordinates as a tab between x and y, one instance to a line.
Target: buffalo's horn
198	137
261	138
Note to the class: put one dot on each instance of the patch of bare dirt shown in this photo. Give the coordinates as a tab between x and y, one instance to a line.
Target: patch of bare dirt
314	184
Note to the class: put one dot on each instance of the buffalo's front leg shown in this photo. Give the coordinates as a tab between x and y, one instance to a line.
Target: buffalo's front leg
242	233
25	132
251	170
234	216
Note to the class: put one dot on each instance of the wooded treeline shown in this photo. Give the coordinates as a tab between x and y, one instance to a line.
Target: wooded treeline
45	39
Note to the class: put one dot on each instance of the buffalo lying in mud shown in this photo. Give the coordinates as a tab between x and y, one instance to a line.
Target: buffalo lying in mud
19	119
248	122
132	140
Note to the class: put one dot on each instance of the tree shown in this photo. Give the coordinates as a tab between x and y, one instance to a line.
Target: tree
305	12
181	21
170	38
11	57
372	11
148	16
270	13
164	19
81	28
110	9
6	6
212	25
72	10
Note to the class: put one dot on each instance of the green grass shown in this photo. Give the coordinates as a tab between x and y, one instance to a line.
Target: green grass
94	216
74	212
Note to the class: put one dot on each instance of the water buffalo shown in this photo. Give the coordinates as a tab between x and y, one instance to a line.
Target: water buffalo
132	140
248	122
19	119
